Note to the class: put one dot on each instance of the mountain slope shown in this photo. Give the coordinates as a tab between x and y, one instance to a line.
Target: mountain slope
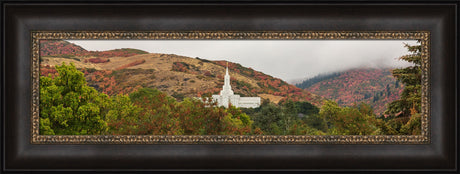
179	76
376	87
61	48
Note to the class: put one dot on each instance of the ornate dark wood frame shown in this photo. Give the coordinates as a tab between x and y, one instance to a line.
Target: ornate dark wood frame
423	36
21	18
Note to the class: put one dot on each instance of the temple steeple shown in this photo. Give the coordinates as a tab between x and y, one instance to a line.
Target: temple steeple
227	88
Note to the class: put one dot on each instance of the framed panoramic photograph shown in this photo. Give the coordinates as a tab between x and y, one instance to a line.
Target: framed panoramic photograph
229	86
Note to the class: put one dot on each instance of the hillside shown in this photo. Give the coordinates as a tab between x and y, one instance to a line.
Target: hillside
376	87
178	76
64	49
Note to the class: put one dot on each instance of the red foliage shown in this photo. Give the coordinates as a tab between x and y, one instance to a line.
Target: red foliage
360	85
47	70
59	47
207	73
97	60
180	66
107	83
163	116
63	48
137	62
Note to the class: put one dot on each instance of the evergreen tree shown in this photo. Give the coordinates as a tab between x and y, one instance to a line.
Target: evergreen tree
318	78
411	77
409	105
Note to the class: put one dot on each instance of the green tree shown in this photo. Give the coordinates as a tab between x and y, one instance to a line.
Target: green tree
411	77
198	118
157	116
267	119
329	111
316	121
69	107
413	126
238	114
283	119
356	120
124	116
301	128
288	116
409	104
351	121
306	108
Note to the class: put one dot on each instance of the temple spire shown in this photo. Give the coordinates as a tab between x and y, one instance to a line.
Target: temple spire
227	88
227	78
226	70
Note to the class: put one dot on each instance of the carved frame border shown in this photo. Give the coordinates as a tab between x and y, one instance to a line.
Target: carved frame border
423	36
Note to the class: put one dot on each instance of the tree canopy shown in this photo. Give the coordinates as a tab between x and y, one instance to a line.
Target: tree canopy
68	106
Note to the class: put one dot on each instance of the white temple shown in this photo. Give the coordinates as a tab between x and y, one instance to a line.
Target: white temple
227	96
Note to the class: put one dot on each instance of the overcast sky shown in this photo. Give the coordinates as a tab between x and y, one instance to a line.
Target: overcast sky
286	59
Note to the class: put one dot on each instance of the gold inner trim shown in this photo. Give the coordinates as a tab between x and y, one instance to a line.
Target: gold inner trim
423	36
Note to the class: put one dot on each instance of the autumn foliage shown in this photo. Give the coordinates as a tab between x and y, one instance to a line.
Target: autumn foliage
162	115
60	48
105	82
134	63
187	68
97	60
70	107
376	87
48	71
